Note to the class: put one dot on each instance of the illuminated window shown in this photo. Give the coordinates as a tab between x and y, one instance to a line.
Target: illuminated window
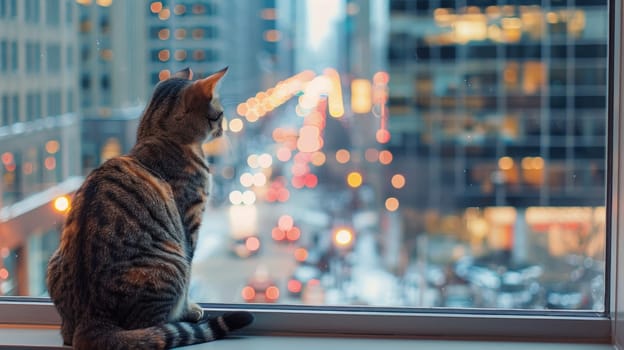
269	14
272	35
163	55
180	33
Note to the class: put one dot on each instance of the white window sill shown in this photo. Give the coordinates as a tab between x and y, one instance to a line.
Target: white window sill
48	337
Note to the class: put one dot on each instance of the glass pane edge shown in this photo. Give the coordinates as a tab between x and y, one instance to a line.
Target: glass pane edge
577	327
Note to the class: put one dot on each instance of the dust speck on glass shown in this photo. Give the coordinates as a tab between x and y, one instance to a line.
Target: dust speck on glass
403	153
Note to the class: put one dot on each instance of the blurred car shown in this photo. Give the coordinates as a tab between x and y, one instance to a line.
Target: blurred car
245	247
260	288
286	235
301	277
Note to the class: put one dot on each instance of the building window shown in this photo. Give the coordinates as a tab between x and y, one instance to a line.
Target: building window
69	12
105	82
53	12
53	58
5	118
85	25
69	60
33	57
15	108
70	101
14	57
54	103
32	11
4	56
13	8
85	82
33	106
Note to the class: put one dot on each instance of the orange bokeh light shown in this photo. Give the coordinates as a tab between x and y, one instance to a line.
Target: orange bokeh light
301	254
294	286
248	293
382	136
342	156
385	157
392	204
278	234
398	181
252	243
293	234
272	293
156	7
285	222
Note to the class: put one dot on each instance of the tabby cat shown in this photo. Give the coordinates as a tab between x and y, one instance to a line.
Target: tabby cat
120	276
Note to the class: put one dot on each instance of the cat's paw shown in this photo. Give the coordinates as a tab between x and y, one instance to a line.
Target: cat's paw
194	313
235	320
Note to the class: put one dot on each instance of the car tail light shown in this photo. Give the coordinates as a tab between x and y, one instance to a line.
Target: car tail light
248	293
272	293
278	234
301	254
294	286
293	234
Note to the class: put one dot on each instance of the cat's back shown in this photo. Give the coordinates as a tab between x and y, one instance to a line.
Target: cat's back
120	209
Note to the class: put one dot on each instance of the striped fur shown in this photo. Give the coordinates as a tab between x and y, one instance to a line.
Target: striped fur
120	276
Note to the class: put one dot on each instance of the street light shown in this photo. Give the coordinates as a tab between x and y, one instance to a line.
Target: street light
61	204
343	237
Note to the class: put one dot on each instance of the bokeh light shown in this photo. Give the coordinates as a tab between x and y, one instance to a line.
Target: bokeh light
385	157
285	222
382	136
343	156
398	181
354	179
61	204
392	204
236	125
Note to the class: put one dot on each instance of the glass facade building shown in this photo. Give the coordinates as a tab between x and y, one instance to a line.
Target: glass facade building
498	110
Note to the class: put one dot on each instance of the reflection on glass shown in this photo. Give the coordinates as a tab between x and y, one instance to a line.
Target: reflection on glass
379	153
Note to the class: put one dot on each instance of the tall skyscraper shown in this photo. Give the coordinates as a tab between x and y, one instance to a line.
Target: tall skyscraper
39	134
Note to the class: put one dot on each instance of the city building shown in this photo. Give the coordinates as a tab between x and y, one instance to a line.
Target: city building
207	36
113	76
81	72
498	118
39	135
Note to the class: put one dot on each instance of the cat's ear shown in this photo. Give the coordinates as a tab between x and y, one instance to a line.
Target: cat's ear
185	73
207	85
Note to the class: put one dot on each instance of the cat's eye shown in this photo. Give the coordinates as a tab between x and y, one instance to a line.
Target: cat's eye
215	117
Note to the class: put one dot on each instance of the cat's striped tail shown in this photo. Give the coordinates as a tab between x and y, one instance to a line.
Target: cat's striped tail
164	336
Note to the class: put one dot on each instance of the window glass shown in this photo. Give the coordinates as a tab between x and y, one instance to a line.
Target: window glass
446	154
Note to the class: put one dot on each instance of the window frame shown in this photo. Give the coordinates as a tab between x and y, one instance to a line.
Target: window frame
581	326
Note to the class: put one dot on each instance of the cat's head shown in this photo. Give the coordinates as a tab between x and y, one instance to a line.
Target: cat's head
184	110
